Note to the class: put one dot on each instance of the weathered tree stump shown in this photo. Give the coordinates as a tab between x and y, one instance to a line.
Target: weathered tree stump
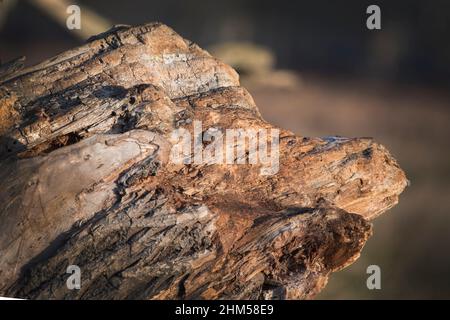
86	180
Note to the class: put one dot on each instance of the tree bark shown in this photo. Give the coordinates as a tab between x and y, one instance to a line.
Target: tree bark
86	179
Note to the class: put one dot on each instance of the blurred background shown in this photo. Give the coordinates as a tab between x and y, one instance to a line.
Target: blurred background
314	68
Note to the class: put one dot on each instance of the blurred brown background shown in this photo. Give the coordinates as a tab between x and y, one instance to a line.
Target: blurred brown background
313	67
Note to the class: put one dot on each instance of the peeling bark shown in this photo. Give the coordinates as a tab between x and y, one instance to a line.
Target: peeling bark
86	180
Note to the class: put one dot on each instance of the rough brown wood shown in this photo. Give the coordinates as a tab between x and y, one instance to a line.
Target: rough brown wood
85	179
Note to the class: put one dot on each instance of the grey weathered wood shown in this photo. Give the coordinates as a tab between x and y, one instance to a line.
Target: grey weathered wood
85	179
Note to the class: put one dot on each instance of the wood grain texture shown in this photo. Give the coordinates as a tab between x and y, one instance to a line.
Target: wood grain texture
85	179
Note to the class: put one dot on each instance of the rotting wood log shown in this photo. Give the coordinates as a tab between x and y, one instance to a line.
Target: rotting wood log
86	179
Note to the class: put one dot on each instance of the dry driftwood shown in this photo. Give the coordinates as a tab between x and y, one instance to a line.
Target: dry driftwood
85	180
